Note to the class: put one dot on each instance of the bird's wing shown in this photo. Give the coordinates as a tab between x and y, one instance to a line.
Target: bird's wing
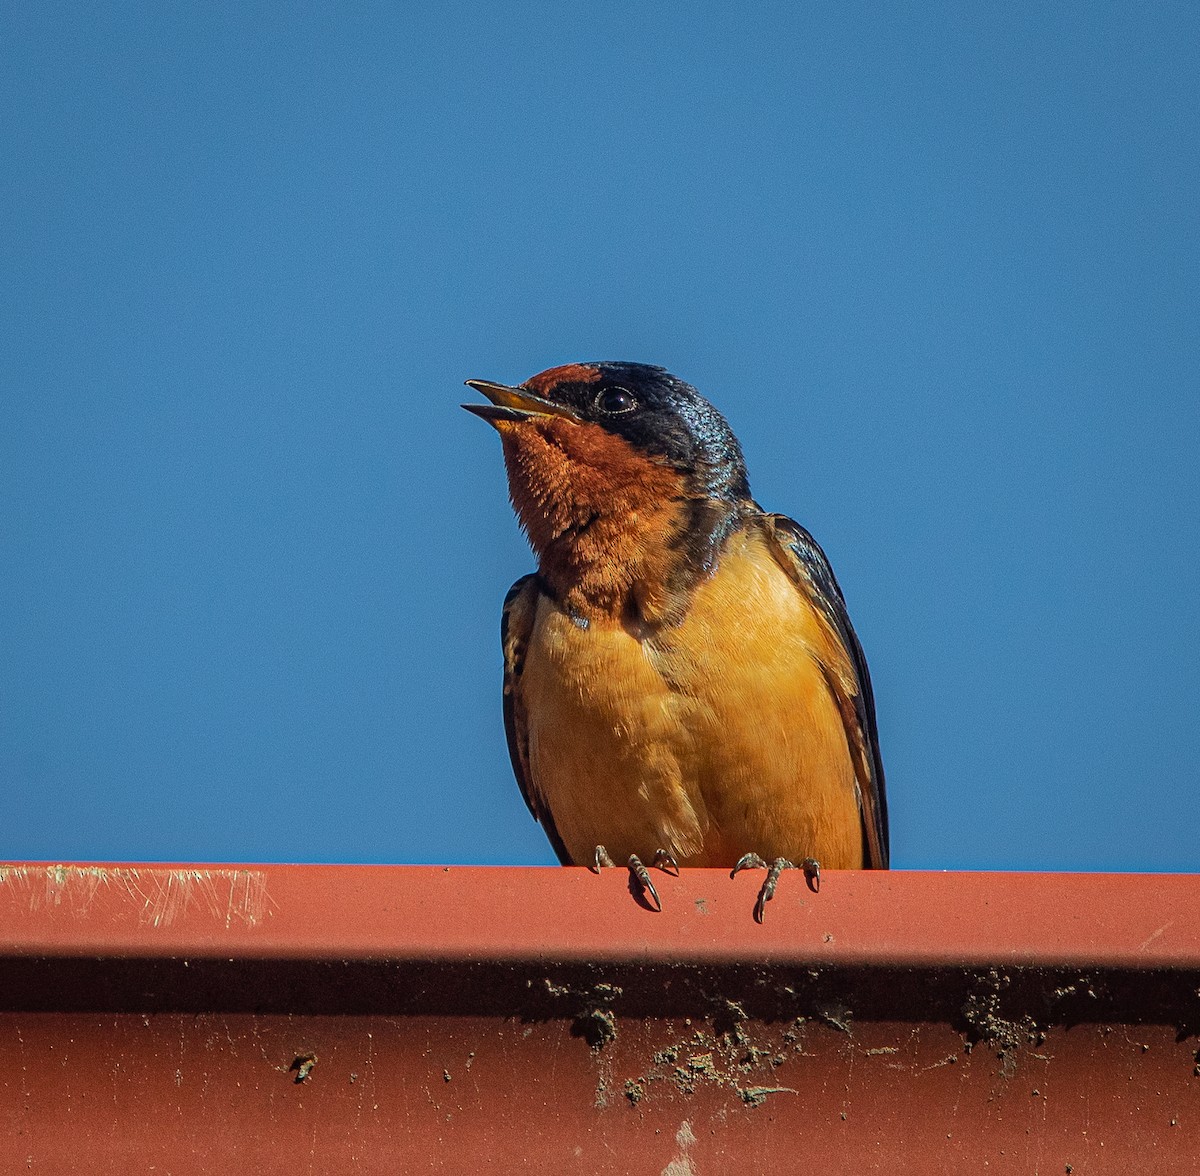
803	560
516	626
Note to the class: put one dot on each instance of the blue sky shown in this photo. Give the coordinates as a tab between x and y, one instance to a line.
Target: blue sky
938	265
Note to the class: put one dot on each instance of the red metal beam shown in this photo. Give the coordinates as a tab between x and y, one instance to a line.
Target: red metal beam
379	1019
917	920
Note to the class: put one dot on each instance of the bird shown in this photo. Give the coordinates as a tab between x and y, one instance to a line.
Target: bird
682	684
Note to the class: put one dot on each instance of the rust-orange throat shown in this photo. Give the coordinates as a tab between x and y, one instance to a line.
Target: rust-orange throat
603	518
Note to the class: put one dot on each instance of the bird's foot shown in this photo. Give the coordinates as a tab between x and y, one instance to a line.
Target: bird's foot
752	861
640	881
665	860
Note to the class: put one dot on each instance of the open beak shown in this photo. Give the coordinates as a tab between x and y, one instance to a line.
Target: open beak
513	404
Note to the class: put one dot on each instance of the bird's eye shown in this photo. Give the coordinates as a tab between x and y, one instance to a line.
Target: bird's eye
615	400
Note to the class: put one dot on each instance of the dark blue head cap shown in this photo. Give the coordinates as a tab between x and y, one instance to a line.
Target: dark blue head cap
657	413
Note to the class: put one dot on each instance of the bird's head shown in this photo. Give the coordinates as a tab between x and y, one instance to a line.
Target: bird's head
618	421
608	462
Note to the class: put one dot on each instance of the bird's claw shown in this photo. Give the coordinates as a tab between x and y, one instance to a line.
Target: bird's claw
748	861
601	859
641	875
663	860
812	874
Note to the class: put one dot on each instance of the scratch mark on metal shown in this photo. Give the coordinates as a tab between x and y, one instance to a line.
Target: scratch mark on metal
159	896
1154	935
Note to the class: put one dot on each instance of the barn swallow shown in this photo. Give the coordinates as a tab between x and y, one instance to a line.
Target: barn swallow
682	684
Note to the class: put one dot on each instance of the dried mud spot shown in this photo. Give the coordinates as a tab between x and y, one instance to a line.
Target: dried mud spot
592	1017
985	1023
597	1026
302	1067
725	1056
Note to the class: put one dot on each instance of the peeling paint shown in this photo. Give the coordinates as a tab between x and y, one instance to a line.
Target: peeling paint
159	896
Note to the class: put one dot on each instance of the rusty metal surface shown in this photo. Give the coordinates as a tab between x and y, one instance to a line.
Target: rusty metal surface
368	1019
